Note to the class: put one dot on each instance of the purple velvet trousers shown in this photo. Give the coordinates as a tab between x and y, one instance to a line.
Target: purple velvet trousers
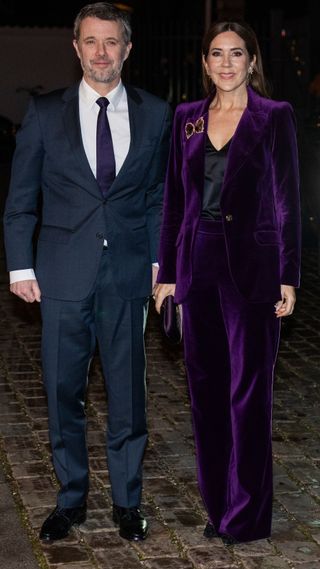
230	352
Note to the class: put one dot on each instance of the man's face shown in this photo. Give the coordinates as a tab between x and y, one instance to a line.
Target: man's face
102	51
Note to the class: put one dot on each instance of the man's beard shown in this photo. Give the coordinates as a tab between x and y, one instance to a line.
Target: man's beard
105	76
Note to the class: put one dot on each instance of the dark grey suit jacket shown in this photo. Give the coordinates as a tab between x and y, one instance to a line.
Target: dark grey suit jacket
50	166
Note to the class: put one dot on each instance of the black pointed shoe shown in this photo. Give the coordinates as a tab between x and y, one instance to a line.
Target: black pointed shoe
210	531
60	521
132	523
228	539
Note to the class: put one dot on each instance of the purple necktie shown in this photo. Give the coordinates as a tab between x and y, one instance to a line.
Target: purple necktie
106	169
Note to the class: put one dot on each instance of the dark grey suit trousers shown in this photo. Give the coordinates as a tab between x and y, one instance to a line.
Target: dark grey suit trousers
70	332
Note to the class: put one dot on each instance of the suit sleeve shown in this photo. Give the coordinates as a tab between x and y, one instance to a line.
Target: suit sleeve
286	193
173	208
155	182
21	209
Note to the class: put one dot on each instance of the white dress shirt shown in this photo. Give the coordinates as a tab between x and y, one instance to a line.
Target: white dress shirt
118	116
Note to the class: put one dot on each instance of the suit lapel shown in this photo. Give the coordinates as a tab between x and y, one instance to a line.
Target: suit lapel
137	122
194	133
248	133
73	130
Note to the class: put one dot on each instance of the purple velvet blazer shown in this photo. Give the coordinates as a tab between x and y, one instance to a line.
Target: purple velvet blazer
259	201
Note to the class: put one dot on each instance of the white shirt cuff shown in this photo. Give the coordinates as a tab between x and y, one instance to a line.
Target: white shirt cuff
22	275
155	265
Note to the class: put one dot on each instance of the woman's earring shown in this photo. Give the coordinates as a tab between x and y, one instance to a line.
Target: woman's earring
250	72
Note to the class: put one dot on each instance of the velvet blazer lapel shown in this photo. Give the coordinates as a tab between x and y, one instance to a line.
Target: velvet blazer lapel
250	130
248	133
194	143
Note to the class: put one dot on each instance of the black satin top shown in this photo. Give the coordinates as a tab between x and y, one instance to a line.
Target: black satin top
215	165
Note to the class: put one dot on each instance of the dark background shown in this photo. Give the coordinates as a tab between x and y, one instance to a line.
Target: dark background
166	60
17	12
158	22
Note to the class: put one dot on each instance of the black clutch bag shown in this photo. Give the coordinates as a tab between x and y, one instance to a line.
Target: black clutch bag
171	320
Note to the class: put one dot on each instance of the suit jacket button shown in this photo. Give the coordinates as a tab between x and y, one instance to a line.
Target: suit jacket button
99	235
229	217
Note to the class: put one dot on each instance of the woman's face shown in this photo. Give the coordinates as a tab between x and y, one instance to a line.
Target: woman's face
227	62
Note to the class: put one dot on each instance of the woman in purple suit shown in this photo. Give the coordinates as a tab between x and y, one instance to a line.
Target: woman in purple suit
230	254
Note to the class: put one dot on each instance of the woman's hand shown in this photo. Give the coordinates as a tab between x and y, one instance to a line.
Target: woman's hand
160	291
285	306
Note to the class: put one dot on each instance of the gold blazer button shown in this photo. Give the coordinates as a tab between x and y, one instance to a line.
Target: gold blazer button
229	217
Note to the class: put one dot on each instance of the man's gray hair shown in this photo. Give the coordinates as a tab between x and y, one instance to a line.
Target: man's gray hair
103	11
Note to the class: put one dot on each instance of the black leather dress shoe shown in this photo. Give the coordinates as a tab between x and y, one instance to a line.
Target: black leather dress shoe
132	524
60	521
210	531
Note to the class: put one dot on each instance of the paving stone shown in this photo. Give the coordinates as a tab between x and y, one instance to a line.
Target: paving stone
255	548
314	490
16	429
316	536
77	565
13	554
193	537
300	551
308	565
38	498
283	485
98	464
14	443
96	501
284	529
297	502
165	563
123	558
270	562
303	470
97	520
29	470
215	557
30	485
308	519
159	544
8	419
62	553
175	518
102	539
24	455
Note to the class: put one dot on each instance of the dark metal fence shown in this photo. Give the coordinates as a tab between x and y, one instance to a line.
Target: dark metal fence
166	56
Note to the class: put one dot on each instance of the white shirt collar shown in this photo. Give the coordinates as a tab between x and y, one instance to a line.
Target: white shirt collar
89	96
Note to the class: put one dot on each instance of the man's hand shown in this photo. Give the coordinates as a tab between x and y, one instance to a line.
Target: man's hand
155	270
29	290
285	306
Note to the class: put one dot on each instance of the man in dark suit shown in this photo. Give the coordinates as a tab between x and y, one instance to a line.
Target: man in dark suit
99	167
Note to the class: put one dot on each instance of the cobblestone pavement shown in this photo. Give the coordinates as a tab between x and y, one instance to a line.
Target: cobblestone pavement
170	500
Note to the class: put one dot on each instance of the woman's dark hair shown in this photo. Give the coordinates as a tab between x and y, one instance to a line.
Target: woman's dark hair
245	32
